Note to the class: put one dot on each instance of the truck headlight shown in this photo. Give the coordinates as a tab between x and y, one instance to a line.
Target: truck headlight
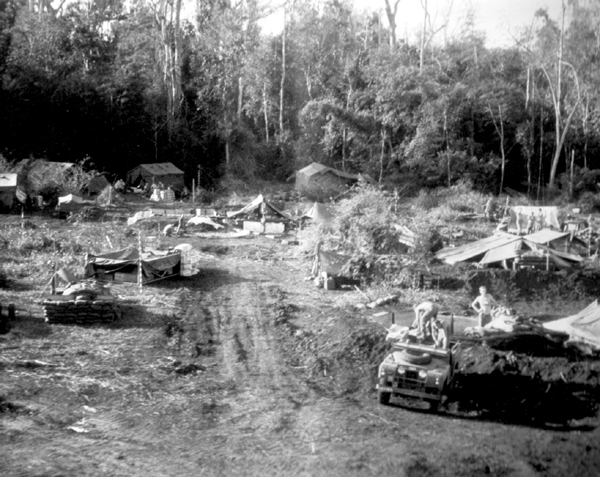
401	370
422	374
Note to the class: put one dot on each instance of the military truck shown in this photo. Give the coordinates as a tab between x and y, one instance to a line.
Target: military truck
418	370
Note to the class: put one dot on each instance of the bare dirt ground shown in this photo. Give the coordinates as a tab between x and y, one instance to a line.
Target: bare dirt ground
248	370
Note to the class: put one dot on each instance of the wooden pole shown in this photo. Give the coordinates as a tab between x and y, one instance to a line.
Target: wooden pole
548	257
140	259
193	191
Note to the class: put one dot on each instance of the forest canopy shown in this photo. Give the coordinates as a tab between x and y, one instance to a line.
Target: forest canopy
116	83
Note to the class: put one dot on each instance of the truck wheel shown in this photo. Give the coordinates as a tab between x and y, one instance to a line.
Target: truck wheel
384	398
434	406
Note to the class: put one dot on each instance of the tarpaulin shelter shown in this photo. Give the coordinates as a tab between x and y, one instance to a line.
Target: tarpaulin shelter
8	190
583	328
261	205
163	172
123	265
319	178
72	203
550	216
503	247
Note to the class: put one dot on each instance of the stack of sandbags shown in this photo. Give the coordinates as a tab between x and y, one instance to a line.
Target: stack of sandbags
79	310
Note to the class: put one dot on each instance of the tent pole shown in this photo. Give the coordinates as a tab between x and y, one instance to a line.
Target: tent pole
548	257
140	259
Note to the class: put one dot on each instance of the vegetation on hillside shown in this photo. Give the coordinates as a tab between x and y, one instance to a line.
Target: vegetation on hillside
216	96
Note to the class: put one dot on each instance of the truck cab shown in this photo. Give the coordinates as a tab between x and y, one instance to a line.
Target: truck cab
418	371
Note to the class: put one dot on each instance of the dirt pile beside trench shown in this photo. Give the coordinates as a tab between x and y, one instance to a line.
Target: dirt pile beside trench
553	390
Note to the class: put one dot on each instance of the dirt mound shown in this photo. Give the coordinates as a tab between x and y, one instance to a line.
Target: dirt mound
526	389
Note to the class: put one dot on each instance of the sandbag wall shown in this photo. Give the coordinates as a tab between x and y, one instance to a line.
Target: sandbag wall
82	312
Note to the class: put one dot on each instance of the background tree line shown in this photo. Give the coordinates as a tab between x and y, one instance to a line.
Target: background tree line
121	83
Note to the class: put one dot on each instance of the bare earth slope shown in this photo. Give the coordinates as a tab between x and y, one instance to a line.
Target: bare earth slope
235	380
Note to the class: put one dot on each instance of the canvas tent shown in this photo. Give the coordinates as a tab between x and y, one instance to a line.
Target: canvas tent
164	172
320	214
583	328
319	178
262	206
122	265
8	190
96	185
503	247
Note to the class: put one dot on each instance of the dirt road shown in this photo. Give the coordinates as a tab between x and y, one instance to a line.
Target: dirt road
247	376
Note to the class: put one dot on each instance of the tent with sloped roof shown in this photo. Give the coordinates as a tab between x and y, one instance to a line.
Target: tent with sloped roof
583	328
162	172
502	247
96	185
322	179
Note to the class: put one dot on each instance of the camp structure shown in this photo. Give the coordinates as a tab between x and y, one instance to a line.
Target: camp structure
319	214
95	186
513	251
123	265
8	190
317	178
582	329
262	216
263	208
163	172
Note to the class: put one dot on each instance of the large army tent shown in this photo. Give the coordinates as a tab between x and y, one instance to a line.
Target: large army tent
164	172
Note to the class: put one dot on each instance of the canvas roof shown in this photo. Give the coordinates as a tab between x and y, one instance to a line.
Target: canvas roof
545	236
319	213
8	180
583	327
257	202
475	249
503	246
316	168
160	169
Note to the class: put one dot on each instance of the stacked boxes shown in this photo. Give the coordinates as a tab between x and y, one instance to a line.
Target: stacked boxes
190	262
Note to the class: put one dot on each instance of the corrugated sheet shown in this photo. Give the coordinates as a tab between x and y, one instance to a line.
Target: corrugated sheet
504	252
545	236
474	250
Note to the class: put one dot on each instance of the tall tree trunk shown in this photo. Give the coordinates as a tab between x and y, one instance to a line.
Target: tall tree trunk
391	16
266	110
283	71
423	32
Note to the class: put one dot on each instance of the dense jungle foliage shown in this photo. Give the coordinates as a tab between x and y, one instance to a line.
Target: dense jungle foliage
116	83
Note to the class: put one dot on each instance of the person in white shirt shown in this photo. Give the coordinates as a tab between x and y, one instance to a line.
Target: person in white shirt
483	305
